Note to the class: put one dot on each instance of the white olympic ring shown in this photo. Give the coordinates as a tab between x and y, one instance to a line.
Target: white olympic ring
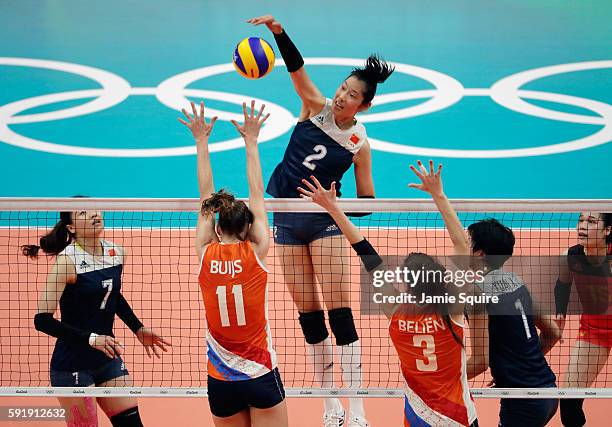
172	92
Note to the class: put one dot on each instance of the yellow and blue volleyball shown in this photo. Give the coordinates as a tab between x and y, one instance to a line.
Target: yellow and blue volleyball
253	58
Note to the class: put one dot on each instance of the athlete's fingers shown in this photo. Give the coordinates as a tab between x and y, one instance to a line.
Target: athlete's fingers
333	187
212	122
305	193
309	185
316	181
417	186
202	110
417	173
423	170
244	111
439	169
183	121
264	119
252	108
148	351
195	111
260	111
161	346
186	114
238	127
162	340
156	351
431	167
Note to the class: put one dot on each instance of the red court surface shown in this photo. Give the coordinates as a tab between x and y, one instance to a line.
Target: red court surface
160	283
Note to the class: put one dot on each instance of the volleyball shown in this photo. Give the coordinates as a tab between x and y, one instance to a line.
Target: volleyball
253	58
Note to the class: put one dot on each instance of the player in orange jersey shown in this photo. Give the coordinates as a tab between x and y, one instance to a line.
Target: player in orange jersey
428	337
244	385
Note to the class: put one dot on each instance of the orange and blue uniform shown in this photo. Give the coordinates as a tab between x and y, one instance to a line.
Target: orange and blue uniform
233	282
433	365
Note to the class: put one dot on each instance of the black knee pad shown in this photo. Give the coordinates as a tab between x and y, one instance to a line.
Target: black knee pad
572	414
313	326
128	418
343	326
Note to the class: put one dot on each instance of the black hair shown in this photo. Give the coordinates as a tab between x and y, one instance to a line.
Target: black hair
494	239
54	241
234	215
417	261
376	70
57	239
607	220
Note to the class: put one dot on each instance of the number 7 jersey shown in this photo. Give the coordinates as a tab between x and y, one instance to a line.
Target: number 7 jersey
234	285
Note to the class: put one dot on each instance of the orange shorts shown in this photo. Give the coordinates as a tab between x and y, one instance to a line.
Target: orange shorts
596	329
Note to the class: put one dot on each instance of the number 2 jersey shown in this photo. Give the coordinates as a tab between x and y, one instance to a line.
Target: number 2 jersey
317	147
233	282
89	304
433	365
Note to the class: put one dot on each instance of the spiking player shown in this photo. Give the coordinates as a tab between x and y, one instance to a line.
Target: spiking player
433	364
244	385
589	267
325	142
85	281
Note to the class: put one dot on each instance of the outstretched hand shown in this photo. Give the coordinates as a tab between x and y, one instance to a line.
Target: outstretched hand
252	123
272	24
322	197
197	124
431	181
152	342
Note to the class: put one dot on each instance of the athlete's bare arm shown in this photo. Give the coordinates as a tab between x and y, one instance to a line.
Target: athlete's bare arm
259	233
205	228
312	99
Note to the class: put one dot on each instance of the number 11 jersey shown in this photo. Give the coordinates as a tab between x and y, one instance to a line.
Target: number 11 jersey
233	282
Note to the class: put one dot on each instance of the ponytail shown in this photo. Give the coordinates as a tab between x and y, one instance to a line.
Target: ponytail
53	242
375	71
234	215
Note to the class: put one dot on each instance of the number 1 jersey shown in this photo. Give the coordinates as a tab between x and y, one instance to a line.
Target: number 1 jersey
234	287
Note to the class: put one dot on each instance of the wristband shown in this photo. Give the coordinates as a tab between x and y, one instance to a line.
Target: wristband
92	338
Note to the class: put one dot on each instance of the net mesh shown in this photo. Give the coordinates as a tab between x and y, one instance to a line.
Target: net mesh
160	283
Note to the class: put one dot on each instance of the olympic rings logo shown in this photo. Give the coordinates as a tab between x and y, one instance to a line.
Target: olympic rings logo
172	93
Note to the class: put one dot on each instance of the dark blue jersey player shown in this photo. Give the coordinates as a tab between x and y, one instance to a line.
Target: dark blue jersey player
325	143
85	281
515	352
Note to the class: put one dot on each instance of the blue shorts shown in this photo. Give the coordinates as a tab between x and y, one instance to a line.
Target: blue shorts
292	228
111	370
227	398
526	412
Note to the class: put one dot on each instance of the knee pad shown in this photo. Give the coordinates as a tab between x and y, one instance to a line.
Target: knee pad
572	414
343	326
128	418
313	326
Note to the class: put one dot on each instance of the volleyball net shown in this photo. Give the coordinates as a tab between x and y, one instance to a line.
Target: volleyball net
160	283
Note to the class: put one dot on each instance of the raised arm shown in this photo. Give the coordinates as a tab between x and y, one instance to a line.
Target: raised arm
431	182
312	100
369	257
205	229
259	233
